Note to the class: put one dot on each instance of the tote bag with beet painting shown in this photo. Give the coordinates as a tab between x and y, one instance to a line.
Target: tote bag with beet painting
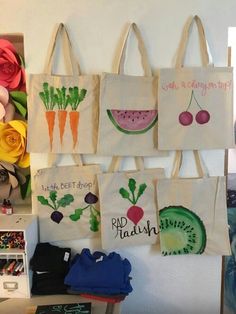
66	202
62	108
128	114
195	103
128	206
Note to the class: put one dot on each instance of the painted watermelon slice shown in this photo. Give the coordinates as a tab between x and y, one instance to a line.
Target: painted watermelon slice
133	121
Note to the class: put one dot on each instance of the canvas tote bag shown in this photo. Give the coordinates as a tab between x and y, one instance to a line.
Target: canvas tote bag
62	108
128	108
66	200
195	103
192	213
128	205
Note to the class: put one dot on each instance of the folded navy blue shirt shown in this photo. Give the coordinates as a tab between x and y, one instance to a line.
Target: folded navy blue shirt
99	273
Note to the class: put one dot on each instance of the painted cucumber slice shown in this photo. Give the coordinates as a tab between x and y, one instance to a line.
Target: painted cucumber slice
181	231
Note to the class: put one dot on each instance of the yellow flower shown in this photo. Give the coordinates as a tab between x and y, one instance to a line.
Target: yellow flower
13	143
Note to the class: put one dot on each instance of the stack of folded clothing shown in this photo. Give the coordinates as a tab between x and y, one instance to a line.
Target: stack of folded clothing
50	264
99	276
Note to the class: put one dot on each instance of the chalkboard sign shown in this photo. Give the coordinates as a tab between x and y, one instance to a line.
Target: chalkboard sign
72	308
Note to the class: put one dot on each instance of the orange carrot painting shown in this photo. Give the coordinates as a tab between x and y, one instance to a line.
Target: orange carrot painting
75	97
47	97
58	97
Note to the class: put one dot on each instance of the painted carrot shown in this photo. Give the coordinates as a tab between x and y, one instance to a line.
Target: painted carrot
47	97
74	124
50	117
74	98
62	114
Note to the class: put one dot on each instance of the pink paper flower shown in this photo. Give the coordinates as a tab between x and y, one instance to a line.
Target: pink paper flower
7	110
12	75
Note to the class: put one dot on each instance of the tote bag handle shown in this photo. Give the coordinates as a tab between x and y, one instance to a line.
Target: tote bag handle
116	161
142	50
204	47
53	159
72	65
178	163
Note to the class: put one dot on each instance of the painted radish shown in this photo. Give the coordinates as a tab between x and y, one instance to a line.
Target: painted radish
134	213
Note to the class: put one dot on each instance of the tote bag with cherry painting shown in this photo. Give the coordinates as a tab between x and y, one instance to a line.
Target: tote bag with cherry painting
62	108
195	104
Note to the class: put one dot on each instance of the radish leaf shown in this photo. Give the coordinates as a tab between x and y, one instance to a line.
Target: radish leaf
132	185
42	200
141	189
124	193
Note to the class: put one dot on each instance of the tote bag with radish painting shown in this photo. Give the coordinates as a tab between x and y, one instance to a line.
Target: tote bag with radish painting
66	202
195	103
128	206
62	108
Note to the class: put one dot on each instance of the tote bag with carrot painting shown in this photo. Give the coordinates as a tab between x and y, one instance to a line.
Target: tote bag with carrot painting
128	115
128	206
66	202
195	103
193	213
62	108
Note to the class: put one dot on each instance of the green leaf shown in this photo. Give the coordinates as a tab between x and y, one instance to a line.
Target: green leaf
42	200
74	217
124	193
94	223
20	108
19	97
53	196
141	189
25	189
82	94
79	211
65	200
132	185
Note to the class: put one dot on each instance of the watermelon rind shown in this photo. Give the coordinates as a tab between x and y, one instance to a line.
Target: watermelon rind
181	231
118	127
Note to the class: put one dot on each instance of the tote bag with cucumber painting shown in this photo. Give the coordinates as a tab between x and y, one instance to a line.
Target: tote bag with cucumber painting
128	108
192	213
62	108
66	201
128	206
195	103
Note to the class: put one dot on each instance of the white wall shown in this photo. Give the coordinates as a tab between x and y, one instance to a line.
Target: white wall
174	285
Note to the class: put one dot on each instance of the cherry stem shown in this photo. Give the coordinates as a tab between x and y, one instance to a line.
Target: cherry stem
190	101
196	101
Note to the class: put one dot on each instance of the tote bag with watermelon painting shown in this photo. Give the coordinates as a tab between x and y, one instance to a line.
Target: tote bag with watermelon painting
62	108
128	108
128	205
193	213
195	103
66	201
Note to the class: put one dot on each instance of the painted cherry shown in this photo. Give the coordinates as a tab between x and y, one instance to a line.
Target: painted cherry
185	118
135	214
203	116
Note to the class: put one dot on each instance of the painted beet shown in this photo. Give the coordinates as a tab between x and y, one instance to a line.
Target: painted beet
56	216
90	198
